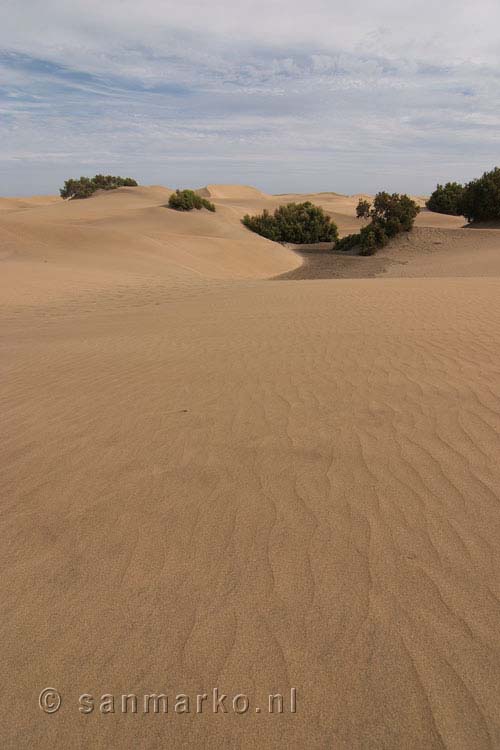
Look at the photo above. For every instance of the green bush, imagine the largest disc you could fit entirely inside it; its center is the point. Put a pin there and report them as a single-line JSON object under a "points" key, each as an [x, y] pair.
{"points": [[481, 198], [447, 199], [363, 208], [298, 223], [85, 186], [393, 213], [349, 242], [370, 240], [389, 215], [186, 200]]}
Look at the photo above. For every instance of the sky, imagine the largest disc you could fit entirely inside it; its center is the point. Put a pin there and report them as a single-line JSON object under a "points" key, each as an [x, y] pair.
{"points": [[288, 96]]}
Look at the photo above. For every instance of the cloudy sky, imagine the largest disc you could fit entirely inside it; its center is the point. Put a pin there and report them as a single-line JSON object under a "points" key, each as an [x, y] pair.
{"points": [[286, 95]]}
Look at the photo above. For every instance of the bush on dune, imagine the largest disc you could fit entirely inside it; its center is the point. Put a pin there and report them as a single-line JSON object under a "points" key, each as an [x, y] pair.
{"points": [[389, 215], [481, 199], [478, 200], [298, 223], [86, 186], [363, 208], [447, 199], [187, 200], [349, 242]]}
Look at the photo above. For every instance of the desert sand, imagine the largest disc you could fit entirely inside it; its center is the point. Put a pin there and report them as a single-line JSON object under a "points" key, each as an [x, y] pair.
{"points": [[216, 474]]}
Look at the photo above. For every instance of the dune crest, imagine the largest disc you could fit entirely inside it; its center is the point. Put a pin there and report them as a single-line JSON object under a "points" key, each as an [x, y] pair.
{"points": [[19, 204], [228, 192]]}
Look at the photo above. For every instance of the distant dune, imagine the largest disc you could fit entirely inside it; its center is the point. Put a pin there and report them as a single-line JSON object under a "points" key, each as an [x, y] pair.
{"points": [[125, 238], [211, 479], [232, 192], [54, 249], [20, 204]]}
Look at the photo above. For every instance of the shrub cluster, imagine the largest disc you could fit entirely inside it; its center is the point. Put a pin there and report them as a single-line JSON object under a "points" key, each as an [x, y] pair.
{"points": [[481, 199], [298, 223], [186, 200], [389, 215], [478, 200], [447, 199], [85, 186]]}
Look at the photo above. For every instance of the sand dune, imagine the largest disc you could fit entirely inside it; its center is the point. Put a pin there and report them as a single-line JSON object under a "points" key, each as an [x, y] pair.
{"points": [[212, 479], [229, 192], [19, 204], [342, 208], [427, 252], [126, 238]]}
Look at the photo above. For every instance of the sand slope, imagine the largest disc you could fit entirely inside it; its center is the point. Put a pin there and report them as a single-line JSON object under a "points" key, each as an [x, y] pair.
{"points": [[426, 252], [126, 238], [210, 479]]}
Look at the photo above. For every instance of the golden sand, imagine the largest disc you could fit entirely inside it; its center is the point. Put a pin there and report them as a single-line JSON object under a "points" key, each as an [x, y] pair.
{"points": [[213, 479]]}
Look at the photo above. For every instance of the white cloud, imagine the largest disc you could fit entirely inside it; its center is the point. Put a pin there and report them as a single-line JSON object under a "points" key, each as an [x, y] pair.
{"points": [[312, 95], [450, 31]]}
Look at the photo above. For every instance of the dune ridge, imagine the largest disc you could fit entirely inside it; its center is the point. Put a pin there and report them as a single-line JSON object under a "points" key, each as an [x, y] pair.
{"points": [[228, 192], [213, 479], [128, 238]]}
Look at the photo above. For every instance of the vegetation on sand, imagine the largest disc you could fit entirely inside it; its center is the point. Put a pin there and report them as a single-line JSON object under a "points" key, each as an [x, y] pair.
{"points": [[86, 186], [481, 199], [298, 223], [186, 200], [478, 200], [389, 215], [447, 199]]}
